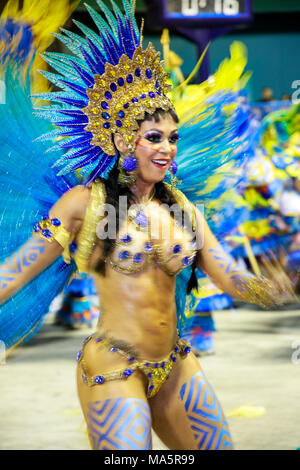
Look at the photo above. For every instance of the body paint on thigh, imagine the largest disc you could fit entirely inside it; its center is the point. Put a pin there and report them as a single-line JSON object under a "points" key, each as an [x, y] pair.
{"points": [[122, 423]]}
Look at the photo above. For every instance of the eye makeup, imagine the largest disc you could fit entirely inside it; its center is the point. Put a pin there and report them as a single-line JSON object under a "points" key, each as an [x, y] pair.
{"points": [[156, 137]]}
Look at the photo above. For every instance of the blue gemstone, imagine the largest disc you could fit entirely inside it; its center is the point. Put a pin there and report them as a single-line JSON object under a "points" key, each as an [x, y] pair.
{"points": [[157, 84], [176, 349], [149, 375], [55, 222], [137, 72], [129, 78], [151, 94], [121, 81], [187, 350], [105, 115], [124, 255], [86, 339], [119, 123], [113, 87], [79, 355], [177, 249], [99, 379], [104, 105], [148, 247], [121, 114], [45, 217], [151, 387], [148, 73], [114, 349], [141, 219], [47, 233], [186, 261], [126, 105], [37, 228], [131, 359], [163, 365], [127, 372], [134, 100], [126, 239], [143, 95], [97, 340], [138, 258], [174, 359], [106, 125], [156, 365], [73, 247], [108, 95]]}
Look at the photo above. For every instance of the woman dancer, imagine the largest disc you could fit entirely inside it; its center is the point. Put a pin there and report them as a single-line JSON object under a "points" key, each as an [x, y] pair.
{"points": [[134, 245]]}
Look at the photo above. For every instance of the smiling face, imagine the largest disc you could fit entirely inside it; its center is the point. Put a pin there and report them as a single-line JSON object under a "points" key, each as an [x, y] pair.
{"points": [[156, 148]]}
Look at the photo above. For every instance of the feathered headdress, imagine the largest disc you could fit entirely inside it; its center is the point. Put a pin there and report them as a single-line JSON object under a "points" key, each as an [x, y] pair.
{"points": [[108, 86]]}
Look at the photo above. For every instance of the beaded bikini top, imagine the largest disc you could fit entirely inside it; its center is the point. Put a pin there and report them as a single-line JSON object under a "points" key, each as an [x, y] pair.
{"points": [[138, 242]]}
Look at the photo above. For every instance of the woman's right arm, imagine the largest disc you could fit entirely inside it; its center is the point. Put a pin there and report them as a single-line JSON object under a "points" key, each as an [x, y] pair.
{"points": [[37, 253]]}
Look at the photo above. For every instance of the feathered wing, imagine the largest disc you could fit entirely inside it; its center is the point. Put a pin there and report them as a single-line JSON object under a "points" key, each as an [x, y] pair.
{"points": [[217, 139], [29, 187]]}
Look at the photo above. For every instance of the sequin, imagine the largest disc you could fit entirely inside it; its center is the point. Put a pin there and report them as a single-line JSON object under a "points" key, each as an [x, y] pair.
{"points": [[128, 372], [151, 94], [124, 255], [113, 87], [99, 379], [138, 258], [106, 125], [126, 239], [119, 123], [47, 233], [148, 73], [177, 249], [126, 106], [121, 114], [148, 247], [104, 105], [137, 72], [55, 222], [121, 81], [134, 100], [105, 115], [108, 95], [129, 78]]}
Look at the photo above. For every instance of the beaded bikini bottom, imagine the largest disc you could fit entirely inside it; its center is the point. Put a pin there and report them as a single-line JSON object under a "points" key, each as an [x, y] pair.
{"points": [[156, 372]]}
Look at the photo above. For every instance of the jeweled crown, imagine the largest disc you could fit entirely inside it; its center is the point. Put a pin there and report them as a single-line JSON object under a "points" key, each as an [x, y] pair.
{"points": [[122, 95]]}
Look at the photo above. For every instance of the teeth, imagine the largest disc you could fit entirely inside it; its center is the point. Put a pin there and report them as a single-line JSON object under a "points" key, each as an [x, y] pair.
{"points": [[161, 162]]}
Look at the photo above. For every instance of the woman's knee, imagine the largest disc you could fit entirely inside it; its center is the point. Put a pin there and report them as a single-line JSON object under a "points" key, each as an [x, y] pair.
{"points": [[205, 414], [119, 424]]}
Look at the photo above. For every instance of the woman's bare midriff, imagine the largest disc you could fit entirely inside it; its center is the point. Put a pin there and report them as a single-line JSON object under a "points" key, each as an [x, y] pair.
{"points": [[139, 309]]}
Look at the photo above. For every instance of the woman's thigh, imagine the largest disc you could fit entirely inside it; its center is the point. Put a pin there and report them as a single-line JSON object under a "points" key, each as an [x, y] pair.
{"points": [[116, 412], [186, 413]]}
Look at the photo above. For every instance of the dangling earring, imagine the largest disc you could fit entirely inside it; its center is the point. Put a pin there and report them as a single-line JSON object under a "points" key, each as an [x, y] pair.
{"points": [[127, 164], [173, 171]]}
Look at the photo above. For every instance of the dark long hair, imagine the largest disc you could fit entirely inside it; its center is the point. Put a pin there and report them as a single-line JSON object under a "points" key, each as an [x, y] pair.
{"points": [[114, 190]]}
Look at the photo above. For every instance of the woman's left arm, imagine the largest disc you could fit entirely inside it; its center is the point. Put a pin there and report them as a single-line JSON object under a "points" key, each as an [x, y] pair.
{"points": [[231, 278]]}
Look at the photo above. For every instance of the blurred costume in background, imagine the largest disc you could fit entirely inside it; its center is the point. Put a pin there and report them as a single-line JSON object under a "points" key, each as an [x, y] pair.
{"points": [[78, 307]]}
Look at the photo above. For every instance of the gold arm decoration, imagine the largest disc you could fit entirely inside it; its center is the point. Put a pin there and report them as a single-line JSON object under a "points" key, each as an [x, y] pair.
{"points": [[87, 234], [258, 291], [184, 203], [52, 229]]}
